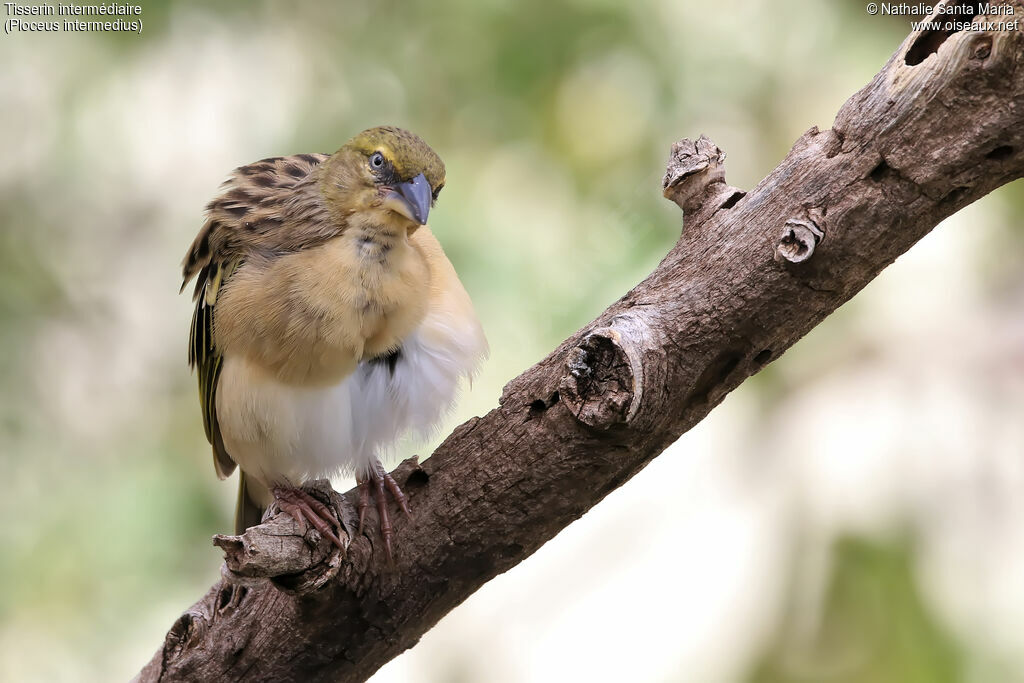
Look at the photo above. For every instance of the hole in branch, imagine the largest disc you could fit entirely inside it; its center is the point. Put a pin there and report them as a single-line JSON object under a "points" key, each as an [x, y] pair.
{"points": [[879, 172], [733, 198], [763, 357], [928, 43], [230, 595], [417, 478], [224, 597], [1000, 153], [956, 196], [540, 405]]}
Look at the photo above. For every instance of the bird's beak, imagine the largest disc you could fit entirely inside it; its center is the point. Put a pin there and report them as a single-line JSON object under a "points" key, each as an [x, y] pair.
{"points": [[411, 199]]}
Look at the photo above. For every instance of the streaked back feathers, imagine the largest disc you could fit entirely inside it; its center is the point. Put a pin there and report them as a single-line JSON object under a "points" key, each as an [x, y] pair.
{"points": [[270, 206]]}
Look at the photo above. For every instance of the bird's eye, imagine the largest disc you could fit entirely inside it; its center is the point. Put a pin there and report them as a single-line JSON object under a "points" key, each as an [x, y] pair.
{"points": [[376, 161]]}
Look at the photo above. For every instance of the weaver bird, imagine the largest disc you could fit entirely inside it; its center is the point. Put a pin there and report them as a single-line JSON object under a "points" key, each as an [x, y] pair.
{"points": [[328, 322]]}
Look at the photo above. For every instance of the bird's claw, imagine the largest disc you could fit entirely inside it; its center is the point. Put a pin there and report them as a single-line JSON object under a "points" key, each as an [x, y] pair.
{"points": [[383, 483], [304, 508]]}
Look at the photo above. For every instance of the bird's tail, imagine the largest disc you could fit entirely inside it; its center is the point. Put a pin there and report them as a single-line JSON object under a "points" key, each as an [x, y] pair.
{"points": [[247, 511]]}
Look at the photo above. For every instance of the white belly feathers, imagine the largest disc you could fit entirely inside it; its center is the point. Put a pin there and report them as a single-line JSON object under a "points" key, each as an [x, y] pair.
{"points": [[282, 434]]}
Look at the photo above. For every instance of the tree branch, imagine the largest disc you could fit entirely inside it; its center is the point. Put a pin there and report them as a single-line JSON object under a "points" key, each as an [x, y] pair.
{"points": [[940, 126]]}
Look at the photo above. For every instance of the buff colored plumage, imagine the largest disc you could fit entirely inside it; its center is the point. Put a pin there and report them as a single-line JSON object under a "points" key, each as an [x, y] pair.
{"points": [[328, 321]]}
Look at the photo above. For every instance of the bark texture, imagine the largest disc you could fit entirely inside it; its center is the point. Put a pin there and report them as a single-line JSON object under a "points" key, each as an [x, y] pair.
{"points": [[940, 126]]}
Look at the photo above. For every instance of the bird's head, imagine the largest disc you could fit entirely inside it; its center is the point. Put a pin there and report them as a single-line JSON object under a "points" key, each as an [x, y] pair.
{"points": [[386, 175]]}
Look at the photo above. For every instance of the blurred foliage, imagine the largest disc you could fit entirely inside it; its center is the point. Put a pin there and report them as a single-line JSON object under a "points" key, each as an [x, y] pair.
{"points": [[874, 627], [554, 119]]}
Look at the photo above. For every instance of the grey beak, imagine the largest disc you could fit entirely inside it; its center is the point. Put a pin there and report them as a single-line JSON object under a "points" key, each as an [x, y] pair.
{"points": [[417, 196]]}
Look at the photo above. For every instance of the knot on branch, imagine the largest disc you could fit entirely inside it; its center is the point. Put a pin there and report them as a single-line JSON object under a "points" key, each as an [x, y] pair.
{"points": [[603, 383], [297, 559], [187, 631], [799, 237], [695, 176]]}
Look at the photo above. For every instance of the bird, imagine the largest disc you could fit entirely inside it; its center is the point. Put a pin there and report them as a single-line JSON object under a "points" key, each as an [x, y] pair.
{"points": [[328, 323]]}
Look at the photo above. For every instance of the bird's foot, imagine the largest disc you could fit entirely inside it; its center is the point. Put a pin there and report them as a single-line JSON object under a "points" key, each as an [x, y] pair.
{"points": [[304, 508], [382, 483]]}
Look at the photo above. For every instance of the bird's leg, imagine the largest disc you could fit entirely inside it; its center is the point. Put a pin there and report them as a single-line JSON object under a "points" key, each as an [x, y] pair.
{"points": [[303, 508], [383, 483]]}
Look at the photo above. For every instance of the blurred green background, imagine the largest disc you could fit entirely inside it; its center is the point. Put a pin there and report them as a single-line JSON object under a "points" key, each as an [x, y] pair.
{"points": [[880, 540]]}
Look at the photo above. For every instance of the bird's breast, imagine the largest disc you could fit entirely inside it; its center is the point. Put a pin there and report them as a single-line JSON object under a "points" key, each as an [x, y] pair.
{"points": [[310, 317]]}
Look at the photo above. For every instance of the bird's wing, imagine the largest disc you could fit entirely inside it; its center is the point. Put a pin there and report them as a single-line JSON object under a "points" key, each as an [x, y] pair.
{"points": [[206, 359], [247, 216], [253, 206]]}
